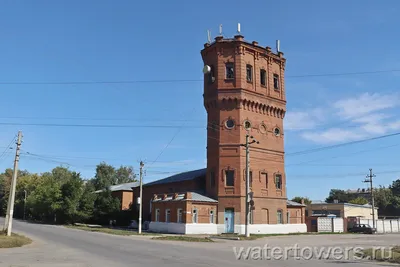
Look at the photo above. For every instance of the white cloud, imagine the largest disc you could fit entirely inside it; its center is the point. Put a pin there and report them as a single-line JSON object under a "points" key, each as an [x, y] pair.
{"points": [[303, 120], [368, 114], [333, 135], [364, 104]]}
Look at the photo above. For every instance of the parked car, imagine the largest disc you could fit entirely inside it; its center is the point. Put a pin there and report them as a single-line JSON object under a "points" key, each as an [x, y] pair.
{"points": [[362, 228]]}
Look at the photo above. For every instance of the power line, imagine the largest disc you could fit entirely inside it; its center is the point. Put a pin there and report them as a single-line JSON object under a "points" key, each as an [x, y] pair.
{"points": [[307, 151], [90, 119], [98, 125], [172, 139], [185, 80]]}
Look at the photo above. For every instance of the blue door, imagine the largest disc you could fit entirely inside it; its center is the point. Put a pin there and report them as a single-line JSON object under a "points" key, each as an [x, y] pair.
{"points": [[229, 220]]}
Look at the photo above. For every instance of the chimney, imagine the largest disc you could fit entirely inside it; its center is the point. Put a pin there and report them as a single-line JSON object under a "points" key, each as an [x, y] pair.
{"points": [[302, 201], [188, 195]]}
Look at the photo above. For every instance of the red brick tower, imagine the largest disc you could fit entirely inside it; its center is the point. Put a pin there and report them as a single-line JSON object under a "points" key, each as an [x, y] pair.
{"points": [[244, 93]]}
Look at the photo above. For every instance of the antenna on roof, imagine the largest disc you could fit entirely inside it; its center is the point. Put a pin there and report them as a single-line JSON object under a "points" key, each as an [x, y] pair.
{"points": [[238, 28], [278, 44], [220, 29], [208, 36]]}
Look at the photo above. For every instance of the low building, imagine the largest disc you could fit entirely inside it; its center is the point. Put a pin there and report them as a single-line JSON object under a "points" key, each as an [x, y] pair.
{"points": [[343, 210], [296, 212], [124, 193]]}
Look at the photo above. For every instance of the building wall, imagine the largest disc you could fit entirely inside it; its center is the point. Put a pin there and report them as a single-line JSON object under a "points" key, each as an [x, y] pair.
{"points": [[343, 210], [203, 211], [366, 213], [206, 228], [125, 197], [149, 191], [241, 101], [296, 215]]}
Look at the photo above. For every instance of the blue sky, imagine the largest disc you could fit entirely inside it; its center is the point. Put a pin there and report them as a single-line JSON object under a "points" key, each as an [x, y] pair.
{"points": [[55, 41]]}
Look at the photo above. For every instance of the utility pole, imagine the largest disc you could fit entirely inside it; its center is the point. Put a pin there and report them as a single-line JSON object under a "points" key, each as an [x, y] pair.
{"points": [[10, 212], [141, 197], [248, 206], [369, 180]]}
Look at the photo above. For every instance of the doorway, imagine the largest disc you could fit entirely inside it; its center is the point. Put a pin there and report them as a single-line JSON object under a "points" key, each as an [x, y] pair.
{"points": [[229, 220]]}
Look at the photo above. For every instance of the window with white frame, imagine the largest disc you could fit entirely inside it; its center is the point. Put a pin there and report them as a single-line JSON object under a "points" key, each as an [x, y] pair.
{"points": [[279, 217], [195, 215], [167, 215], [157, 215], [180, 218], [211, 216]]}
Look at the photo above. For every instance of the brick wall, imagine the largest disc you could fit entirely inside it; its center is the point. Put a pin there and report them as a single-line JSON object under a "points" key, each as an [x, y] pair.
{"points": [[203, 211], [296, 214], [261, 105], [125, 197], [149, 191]]}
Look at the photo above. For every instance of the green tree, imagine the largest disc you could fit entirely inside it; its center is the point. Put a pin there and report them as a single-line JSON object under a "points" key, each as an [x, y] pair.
{"points": [[106, 207], [307, 201], [340, 195], [125, 174], [359, 201], [87, 202], [105, 176], [71, 193], [395, 187], [45, 201]]}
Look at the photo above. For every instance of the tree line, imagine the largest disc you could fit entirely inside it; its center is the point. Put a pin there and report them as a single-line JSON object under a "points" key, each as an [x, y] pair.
{"points": [[62, 196], [387, 199]]}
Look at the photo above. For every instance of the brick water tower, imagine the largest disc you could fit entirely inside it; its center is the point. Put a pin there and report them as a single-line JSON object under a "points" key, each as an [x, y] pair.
{"points": [[244, 93]]}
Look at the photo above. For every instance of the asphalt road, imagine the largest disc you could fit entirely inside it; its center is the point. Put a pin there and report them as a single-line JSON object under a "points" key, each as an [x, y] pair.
{"points": [[57, 246]]}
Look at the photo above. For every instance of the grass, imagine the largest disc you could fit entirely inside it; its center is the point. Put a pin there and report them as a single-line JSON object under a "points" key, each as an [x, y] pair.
{"points": [[257, 236], [384, 254], [183, 238], [108, 230], [13, 241]]}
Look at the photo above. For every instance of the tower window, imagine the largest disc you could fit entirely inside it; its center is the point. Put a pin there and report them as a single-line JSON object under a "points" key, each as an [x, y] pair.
{"points": [[230, 71], [230, 124], [276, 81], [251, 179], [263, 77], [249, 73], [278, 181], [277, 132], [247, 125], [230, 178], [211, 76], [265, 178], [212, 179]]}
